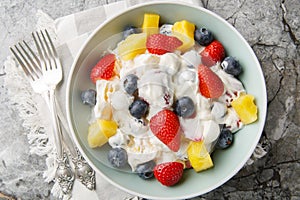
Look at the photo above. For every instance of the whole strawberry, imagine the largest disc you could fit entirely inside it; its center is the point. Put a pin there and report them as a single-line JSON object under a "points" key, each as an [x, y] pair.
{"points": [[168, 173], [165, 126], [212, 53], [104, 69], [210, 85], [160, 44]]}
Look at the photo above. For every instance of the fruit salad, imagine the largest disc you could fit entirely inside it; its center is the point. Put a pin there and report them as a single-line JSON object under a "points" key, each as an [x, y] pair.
{"points": [[165, 97]]}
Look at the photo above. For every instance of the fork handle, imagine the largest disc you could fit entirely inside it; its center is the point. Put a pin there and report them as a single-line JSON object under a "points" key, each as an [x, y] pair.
{"points": [[69, 142], [56, 127], [64, 175], [66, 137], [83, 170]]}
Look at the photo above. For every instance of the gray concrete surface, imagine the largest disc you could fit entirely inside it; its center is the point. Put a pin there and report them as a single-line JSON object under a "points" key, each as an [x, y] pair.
{"points": [[272, 29]]}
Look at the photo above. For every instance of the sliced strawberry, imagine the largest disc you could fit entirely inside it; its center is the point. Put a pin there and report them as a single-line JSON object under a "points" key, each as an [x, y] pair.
{"points": [[210, 85], [104, 69], [212, 53], [168, 173], [165, 126], [160, 44]]}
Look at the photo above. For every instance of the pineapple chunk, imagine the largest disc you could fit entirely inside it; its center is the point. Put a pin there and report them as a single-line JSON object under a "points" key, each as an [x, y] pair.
{"points": [[184, 30], [100, 131], [199, 157], [245, 108], [132, 46], [151, 23], [109, 127]]}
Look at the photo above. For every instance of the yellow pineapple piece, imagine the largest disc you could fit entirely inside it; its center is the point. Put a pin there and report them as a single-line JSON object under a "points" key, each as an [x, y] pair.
{"points": [[184, 30], [150, 23], [199, 157], [132, 46], [109, 127], [245, 107], [100, 131]]}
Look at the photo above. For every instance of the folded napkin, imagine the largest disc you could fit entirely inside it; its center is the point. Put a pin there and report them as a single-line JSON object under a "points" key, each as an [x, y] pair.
{"points": [[68, 33]]}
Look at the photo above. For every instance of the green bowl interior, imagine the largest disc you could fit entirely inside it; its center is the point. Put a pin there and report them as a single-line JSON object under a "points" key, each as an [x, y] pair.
{"points": [[227, 162]]}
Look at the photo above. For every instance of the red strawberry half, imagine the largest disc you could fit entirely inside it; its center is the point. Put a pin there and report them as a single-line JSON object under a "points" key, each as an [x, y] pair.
{"points": [[161, 44], [212, 53], [168, 173], [165, 126], [104, 69], [210, 85]]}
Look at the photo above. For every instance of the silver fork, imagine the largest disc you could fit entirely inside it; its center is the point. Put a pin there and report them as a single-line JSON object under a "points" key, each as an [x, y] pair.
{"points": [[31, 66], [52, 75], [52, 72]]}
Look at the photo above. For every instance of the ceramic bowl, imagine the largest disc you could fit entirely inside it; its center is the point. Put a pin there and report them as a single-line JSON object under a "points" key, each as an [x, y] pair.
{"points": [[227, 162]]}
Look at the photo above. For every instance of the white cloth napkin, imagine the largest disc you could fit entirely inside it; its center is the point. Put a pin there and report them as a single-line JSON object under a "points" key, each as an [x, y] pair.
{"points": [[69, 33]]}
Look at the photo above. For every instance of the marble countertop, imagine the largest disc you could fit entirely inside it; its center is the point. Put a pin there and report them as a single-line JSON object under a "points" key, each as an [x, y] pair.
{"points": [[272, 28]]}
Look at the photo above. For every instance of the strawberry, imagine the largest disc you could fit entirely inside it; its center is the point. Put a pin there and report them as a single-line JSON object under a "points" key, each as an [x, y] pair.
{"points": [[210, 85], [212, 53], [160, 44], [168, 173], [104, 68], [165, 126]]}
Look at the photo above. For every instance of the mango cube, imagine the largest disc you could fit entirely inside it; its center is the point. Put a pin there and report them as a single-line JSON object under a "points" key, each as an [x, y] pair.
{"points": [[150, 23], [184, 30]]}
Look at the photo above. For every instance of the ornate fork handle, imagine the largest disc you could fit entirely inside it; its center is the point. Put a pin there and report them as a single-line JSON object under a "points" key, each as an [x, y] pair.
{"points": [[64, 174], [83, 171]]}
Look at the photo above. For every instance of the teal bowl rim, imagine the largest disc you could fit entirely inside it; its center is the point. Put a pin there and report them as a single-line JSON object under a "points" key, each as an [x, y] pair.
{"points": [[262, 110]]}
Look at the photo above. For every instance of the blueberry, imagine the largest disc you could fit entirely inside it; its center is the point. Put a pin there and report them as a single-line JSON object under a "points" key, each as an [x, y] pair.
{"points": [[203, 36], [129, 30], [88, 97], [130, 83], [117, 157], [184, 107], [225, 139], [231, 66], [138, 108], [145, 170]]}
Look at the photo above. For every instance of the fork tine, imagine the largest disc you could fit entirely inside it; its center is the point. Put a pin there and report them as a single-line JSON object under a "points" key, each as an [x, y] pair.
{"points": [[20, 61], [53, 50], [49, 50], [46, 49], [26, 61], [35, 58], [41, 50], [51, 67], [32, 60]]}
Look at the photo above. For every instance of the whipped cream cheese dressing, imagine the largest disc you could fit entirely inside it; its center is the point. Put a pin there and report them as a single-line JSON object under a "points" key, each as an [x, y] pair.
{"points": [[162, 78]]}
